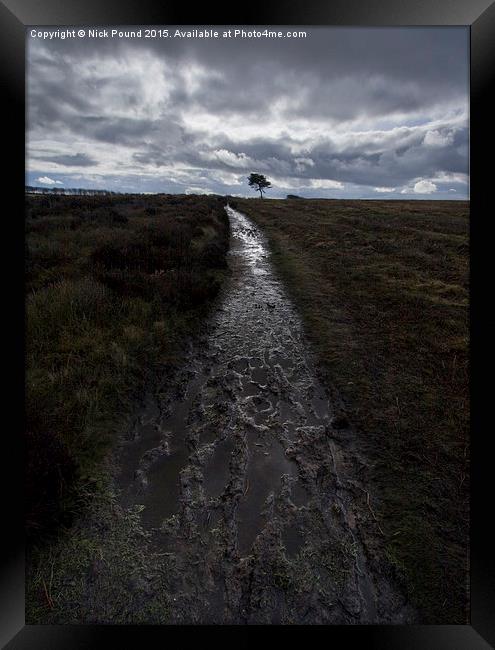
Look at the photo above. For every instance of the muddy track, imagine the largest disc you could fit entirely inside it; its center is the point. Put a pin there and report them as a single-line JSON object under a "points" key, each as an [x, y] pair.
{"points": [[249, 483]]}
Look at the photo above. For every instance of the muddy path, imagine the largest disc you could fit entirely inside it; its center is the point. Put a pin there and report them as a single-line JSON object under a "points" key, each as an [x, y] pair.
{"points": [[246, 483]]}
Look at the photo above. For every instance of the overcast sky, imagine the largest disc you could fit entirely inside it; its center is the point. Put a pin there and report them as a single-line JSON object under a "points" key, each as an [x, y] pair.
{"points": [[343, 113]]}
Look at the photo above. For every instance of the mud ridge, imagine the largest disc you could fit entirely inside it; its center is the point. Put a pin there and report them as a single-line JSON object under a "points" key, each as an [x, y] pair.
{"points": [[249, 477]]}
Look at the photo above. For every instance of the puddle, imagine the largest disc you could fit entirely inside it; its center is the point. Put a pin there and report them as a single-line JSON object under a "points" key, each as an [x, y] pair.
{"points": [[161, 496], [266, 465], [320, 407], [150, 477], [217, 471], [249, 388], [292, 540], [240, 365], [299, 495], [259, 375]]}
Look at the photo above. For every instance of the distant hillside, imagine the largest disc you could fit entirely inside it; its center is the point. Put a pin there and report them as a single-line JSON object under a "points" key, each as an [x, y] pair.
{"points": [[67, 190]]}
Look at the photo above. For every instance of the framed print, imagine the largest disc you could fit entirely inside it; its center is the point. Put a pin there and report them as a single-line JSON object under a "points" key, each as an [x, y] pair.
{"points": [[247, 333]]}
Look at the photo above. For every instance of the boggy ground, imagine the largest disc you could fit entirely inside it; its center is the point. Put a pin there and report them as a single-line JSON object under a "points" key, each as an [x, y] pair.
{"points": [[238, 496], [382, 287], [113, 283]]}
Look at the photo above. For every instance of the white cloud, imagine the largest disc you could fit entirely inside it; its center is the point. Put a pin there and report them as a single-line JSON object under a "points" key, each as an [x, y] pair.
{"points": [[424, 187], [302, 163], [326, 184], [201, 117], [436, 139], [448, 177], [294, 183], [238, 161], [195, 75], [227, 178], [198, 190], [45, 180]]}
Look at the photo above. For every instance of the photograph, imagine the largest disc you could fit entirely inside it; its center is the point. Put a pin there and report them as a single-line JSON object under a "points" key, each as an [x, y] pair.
{"points": [[247, 325]]}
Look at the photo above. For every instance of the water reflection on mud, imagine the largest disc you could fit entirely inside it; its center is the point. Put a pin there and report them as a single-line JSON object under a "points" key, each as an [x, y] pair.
{"points": [[239, 468]]}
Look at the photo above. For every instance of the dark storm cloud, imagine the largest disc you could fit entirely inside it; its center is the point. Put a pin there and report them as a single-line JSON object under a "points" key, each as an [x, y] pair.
{"points": [[77, 160], [372, 107]]}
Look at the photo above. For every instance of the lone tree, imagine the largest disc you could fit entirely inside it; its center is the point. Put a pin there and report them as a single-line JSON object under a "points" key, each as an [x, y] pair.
{"points": [[259, 182]]}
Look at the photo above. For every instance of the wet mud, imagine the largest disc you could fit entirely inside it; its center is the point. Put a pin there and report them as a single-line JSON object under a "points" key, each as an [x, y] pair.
{"points": [[247, 481]]}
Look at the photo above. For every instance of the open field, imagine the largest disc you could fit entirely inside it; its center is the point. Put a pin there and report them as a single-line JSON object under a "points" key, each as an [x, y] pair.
{"points": [[383, 290], [114, 286]]}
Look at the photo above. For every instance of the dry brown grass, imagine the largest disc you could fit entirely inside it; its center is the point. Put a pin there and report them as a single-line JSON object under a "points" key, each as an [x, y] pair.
{"points": [[383, 289], [114, 284]]}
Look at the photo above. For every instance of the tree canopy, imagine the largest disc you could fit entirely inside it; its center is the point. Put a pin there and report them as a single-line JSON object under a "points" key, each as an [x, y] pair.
{"points": [[259, 182]]}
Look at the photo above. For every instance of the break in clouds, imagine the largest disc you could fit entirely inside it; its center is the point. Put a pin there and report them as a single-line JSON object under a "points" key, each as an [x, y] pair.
{"points": [[345, 112]]}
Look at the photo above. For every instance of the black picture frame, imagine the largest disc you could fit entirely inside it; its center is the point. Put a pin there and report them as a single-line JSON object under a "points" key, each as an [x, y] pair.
{"points": [[15, 15]]}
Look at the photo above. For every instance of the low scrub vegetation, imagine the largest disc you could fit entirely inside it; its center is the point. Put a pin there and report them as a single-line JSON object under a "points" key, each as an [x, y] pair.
{"points": [[383, 289], [114, 285]]}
